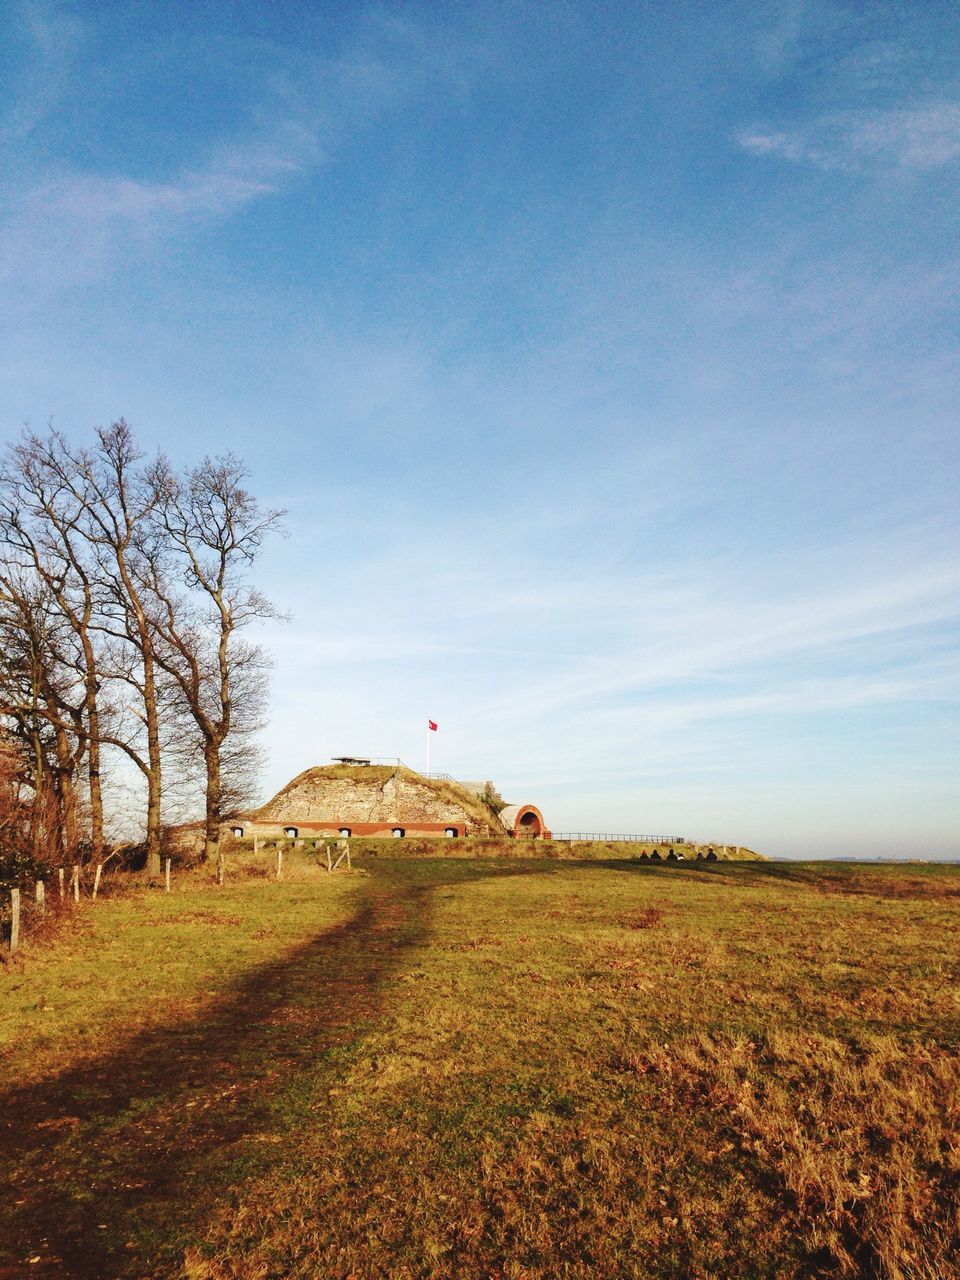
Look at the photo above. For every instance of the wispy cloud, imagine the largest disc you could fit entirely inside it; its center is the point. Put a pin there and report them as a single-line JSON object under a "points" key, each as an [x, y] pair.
{"points": [[71, 227], [54, 37], [572, 664], [722, 637], [908, 138]]}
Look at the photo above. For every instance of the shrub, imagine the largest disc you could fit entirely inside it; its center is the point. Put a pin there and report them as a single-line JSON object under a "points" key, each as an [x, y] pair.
{"points": [[18, 867]]}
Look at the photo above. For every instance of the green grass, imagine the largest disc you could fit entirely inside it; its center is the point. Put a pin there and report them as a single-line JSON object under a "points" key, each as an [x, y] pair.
{"points": [[483, 1068]]}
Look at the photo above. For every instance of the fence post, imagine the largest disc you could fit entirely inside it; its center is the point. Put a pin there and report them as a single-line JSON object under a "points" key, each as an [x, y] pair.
{"points": [[96, 879], [75, 881], [279, 863], [329, 867], [60, 878], [14, 920], [219, 868], [41, 898], [256, 845], [349, 866], [166, 876]]}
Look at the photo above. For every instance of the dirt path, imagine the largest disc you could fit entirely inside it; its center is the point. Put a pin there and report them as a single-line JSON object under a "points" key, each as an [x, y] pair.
{"points": [[139, 1144]]}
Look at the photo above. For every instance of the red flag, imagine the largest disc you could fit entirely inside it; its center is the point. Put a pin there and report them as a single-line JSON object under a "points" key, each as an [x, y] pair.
{"points": [[431, 724]]}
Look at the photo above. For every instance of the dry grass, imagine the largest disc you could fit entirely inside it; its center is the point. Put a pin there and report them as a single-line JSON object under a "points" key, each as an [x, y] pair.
{"points": [[519, 1070]]}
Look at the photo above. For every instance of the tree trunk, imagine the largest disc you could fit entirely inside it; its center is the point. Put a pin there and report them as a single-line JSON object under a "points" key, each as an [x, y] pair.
{"points": [[153, 754], [93, 750], [214, 801], [38, 810], [66, 795]]}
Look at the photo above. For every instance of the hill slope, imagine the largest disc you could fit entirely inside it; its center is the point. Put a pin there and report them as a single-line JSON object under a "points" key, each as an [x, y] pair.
{"points": [[376, 793]]}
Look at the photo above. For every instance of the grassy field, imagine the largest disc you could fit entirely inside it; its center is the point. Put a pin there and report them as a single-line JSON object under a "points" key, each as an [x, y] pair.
{"points": [[478, 1068]]}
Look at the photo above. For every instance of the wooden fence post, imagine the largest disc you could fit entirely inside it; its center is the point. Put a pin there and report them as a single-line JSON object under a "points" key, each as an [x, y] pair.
{"points": [[41, 898], [279, 863], [349, 864], [75, 881], [166, 876], [219, 868], [344, 852], [14, 920], [60, 878], [329, 867], [96, 879], [256, 845]]}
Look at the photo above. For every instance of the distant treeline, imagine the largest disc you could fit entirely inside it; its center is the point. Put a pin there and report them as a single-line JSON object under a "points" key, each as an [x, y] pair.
{"points": [[124, 593]]}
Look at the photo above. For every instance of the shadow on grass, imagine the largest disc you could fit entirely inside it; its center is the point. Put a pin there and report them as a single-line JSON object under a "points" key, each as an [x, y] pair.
{"points": [[111, 1168]]}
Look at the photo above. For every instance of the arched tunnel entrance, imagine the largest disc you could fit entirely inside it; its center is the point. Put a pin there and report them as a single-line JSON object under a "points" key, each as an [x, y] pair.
{"points": [[528, 823]]}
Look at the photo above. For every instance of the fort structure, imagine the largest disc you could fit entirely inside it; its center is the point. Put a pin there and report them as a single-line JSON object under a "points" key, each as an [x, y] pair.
{"points": [[356, 797], [372, 800]]}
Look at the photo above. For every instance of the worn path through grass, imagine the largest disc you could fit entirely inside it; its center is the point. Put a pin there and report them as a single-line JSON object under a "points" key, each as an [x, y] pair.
{"points": [[114, 1162]]}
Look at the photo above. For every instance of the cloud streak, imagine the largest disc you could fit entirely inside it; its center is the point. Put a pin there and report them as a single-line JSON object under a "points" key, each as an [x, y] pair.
{"points": [[915, 138], [561, 662], [54, 39], [71, 228]]}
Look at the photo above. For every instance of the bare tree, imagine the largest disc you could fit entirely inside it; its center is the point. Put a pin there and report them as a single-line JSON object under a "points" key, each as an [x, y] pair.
{"points": [[208, 529], [119, 500], [123, 596], [42, 707], [113, 499], [15, 809], [40, 523]]}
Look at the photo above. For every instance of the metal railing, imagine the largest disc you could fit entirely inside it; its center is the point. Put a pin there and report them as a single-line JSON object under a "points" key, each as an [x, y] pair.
{"points": [[438, 777], [372, 759], [609, 837], [441, 777]]}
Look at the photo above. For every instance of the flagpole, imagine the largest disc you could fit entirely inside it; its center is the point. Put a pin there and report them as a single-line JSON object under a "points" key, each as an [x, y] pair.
{"points": [[428, 746]]}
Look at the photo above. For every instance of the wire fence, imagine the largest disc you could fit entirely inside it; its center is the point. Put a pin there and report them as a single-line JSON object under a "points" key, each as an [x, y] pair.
{"points": [[24, 907]]}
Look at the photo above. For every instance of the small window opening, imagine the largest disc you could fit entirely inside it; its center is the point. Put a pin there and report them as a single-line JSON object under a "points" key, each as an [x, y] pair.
{"points": [[290, 832], [237, 831], [451, 832], [398, 833], [345, 831]]}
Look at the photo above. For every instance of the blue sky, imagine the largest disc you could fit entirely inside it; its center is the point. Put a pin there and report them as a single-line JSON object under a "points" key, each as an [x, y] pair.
{"points": [[604, 355]]}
